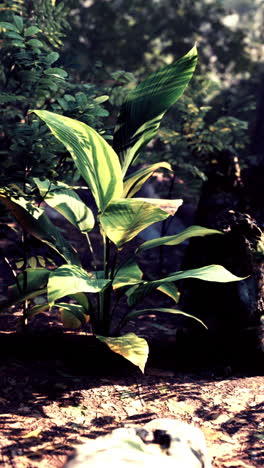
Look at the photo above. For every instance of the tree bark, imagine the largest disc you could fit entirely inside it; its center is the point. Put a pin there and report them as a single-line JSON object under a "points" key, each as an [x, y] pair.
{"points": [[232, 311]]}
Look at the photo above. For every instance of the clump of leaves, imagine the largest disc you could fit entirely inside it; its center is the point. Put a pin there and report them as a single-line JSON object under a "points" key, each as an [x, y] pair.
{"points": [[120, 215], [32, 76]]}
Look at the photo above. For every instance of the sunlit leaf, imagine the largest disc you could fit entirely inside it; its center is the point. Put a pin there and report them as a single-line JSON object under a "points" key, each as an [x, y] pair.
{"points": [[72, 315], [123, 219], [192, 231], [95, 159], [134, 182], [216, 273], [168, 205], [129, 273], [130, 346], [144, 107], [70, 279], [170, 290], [67, 202]]}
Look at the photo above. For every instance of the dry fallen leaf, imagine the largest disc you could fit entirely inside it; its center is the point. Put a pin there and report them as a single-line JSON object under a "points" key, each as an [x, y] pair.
{"points": [[35, 433]]}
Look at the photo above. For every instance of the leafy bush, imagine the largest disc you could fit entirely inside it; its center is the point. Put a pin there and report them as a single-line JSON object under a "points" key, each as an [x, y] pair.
{"points": [[120, 217], [32, 76]]}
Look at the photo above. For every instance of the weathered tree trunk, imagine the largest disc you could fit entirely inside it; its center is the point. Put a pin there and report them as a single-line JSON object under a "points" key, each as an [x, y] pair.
{"points": [[232, 311]]}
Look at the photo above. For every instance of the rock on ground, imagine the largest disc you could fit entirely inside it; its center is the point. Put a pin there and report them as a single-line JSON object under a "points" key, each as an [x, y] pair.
{"points": [[161, 442]]}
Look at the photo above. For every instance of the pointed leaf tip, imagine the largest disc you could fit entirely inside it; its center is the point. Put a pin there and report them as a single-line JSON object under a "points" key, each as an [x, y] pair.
{"points": [[130, 346]]}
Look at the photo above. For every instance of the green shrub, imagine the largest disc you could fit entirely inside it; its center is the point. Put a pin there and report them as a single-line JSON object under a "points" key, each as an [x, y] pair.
{"points": [[32, 77]]}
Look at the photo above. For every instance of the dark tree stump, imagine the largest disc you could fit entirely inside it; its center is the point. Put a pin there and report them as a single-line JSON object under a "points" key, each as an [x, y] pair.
{"points": [[232, 311]]}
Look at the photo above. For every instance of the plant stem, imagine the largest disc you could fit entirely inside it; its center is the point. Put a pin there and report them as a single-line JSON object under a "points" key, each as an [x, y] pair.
{"points": [[164, 225], [94, 260], [24, 287], [106, 256], [112, 273], [105, 295]]}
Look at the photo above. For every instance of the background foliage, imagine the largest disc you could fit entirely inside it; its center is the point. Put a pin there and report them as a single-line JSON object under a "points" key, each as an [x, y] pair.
{"points": [[32, 75]]}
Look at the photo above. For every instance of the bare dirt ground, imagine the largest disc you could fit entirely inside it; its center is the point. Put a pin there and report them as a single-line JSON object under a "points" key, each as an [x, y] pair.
{"points": [[50, 404]]}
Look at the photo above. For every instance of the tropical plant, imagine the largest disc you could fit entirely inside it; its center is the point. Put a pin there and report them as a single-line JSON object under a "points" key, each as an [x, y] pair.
{"points": [[120, 217]]}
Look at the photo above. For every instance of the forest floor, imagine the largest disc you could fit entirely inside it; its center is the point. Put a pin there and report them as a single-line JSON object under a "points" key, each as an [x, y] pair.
{"points": [[56, 392], [49, 403]]}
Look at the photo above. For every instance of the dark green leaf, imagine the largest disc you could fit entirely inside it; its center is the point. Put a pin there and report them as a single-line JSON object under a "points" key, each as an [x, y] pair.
{"points": [[36, 223], [8, 26], [144, 107], [137, 313], [57, 72], [31, 31], [19, 22], [35, 43]]}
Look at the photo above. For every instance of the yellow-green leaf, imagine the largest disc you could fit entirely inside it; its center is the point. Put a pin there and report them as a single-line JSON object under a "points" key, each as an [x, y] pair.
{"points": [[192, 231], [67, 202], [70, 279], [95, 159], [123, 219], [130, 346]]}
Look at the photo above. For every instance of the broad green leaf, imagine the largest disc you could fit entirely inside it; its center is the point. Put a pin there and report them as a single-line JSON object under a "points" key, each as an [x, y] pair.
{"points": [[31, 283], [70, 279], [67, 202], [52, 57], [171, 206], [134, 182], [35, 43], [136, 313], [129, 273], [144, 107], [136, 293], [170, 290], [31, 279], [123, 219], [19, 22], [8, 26], [31, 31], [72, 315], [59, 72], [34, 221], [216, 273], [130, 346], [192, 231], [14, 35], [95, 159]]}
